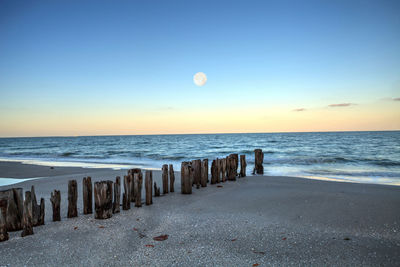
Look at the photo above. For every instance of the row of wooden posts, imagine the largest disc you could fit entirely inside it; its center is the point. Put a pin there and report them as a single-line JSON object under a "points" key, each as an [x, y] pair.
{"points": [[17, 214]]}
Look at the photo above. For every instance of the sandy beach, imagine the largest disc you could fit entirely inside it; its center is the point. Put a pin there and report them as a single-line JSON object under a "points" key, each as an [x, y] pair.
{"points": [[255, 220]]}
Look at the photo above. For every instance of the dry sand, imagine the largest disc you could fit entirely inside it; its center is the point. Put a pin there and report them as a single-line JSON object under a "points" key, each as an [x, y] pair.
{"points": [[255, 220]]}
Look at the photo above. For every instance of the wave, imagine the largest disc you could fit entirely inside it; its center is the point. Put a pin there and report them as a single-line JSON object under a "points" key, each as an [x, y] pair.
{"points": [[67, 154]]}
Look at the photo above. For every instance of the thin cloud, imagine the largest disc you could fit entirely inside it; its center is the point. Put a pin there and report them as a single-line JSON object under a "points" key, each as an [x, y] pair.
{"points": [[341, 105], [396, 99], [299, 109]]}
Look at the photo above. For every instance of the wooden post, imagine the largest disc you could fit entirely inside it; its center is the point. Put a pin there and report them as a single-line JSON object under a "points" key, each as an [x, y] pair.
{"points": [[131, 173], [27, 220], [243, 165], [196, 165], [149, 187], [12, 206], [231, 167], [42, 210], [204, 173], [171, 178], [214, 172], [156, 190], [165, 178], [138, 178], [126, 196], [87, 195], [3, 228], [35, 207], [117, 195], [72, 199], [259, 158], [223, 170], [103, 199], [186, 181], [55, 199], [236, 163]]}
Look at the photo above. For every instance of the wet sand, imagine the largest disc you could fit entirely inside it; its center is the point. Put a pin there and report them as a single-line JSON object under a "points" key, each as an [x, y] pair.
{"points": [[255, 220]]}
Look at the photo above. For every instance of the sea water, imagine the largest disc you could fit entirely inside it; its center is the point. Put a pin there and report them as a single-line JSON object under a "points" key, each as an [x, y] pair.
{"points": [[367, 157]]}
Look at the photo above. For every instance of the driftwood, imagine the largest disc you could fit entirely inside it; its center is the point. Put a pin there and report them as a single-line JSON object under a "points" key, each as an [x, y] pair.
{"points": [[3, 228], [72, 199], [214, 172], [165, 178], [196, 166], [138, 180], [117, 195], [223, 170], [27, 220], [149, 187], [103, 199], [126, 196], [171, 178], [12, 206], [55, 199], [186, 178], [131, 173], [204, 173], [243, 165], [87, 195], [259, 158], [156, 190]]}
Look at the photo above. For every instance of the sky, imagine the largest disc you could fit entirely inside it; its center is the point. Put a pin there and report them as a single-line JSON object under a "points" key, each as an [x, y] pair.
{"points": [[126, 67]]}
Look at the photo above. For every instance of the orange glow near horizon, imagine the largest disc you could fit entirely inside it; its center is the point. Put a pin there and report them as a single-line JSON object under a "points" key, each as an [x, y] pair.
{"points": [[374, 117]]}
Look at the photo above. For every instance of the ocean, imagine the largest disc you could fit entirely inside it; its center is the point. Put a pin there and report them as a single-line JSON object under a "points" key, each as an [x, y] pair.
{"points": [[366, 157]]}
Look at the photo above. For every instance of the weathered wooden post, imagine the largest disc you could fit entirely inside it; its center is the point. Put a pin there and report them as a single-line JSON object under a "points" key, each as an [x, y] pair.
{"points": [[126, 196], [156, 190], [259, 158], [149, 186], [243, 165], [117, 195], [196, 166], [103, 199], [204, 173], [72, 199], [138, 178], [236, 163], [12, 205], [87, 195], [186, 181], [223, 170], [27, 220], [55, 199], [214, 172], [131, 173], [37, 209], [231, 167], [171, 178], [42, 210], [3, 228], [165, 178]]}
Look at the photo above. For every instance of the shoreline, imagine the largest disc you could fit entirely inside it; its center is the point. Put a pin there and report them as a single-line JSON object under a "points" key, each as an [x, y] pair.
{"points": [[23, 169]]}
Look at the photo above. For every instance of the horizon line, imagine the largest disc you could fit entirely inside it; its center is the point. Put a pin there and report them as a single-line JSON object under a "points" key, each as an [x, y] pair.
{"points": [[218, 133]]}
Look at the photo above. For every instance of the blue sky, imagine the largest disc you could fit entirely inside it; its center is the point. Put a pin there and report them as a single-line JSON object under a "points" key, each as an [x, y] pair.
{"points": [[75, 56]]}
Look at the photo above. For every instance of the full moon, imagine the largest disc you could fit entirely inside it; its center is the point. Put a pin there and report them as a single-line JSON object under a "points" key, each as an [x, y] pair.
{"points": [[200, 79]]}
